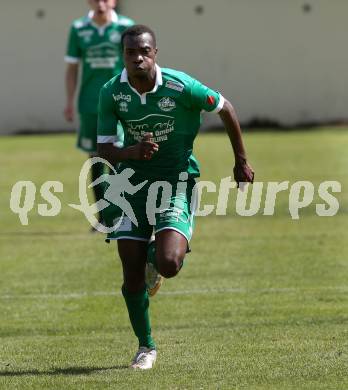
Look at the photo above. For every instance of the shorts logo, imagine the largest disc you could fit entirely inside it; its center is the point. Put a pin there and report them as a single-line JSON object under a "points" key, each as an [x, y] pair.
{"points": [[166, 104], [120, 96], [173, 85], [124, 224], [123, 106]]}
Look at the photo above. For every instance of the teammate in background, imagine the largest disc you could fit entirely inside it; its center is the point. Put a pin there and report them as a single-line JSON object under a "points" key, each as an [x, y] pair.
{"points": [[94, 48], [160, 113]]}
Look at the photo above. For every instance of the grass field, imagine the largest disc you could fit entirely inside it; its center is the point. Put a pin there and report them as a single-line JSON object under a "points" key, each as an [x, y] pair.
{"points": [[261, 303]]}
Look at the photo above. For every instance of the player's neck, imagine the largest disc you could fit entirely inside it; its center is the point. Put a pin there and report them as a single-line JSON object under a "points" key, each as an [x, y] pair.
{"points": [[102, 19], [144, 83]]}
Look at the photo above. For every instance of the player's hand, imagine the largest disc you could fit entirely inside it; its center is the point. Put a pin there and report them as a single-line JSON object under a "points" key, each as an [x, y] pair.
{"points": [[145, 149], [243, 173], [69, 113]]}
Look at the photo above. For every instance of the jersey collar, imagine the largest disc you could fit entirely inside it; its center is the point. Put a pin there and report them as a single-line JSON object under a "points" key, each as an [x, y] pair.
{"points": [[101, 29], [158, 83], [114, 16]]}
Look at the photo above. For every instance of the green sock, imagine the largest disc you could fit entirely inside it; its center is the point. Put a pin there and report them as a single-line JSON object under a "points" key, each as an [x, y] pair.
{"points": [[138, 310]]}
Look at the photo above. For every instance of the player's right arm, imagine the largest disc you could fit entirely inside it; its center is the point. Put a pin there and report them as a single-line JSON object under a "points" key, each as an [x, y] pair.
{"points": [[72, 59], [71, 76], [143, 150], [107, 130]]}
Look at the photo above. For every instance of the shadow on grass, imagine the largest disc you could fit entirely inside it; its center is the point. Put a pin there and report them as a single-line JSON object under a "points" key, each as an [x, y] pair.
{"points": [[62, 371], [48, 234]]}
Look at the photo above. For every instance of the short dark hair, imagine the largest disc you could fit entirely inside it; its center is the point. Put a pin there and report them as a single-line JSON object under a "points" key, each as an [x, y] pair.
{"points": [[136, 30]]}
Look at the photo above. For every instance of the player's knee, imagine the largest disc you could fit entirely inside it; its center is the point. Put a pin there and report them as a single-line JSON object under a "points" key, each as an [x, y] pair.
{"points": [[169, 264], [169, 269]]}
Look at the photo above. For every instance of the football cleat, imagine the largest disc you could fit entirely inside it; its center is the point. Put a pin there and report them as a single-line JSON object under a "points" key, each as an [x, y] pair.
{"points": [[153, 279], [144, 359]]}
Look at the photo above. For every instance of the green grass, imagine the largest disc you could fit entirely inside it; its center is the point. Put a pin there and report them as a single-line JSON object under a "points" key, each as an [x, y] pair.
{"points": [[260, 304]]}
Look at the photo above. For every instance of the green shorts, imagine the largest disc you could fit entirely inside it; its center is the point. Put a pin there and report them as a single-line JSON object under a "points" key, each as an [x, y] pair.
{"points": [[152, 213], [87, 135]]}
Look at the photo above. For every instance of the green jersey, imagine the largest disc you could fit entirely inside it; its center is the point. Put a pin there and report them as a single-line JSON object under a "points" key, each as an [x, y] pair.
{"points": [[171, 111], [98, 48]]}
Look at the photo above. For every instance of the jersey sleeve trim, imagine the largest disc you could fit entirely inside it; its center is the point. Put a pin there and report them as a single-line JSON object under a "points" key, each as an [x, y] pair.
{"points": [[106, 139], [124, 21], [71, 60], [220, 105]]}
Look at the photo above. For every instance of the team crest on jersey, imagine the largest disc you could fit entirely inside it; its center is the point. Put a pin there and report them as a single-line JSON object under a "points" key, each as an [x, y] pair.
{"points": [[166, 104], [123, 106], [115, 37]]}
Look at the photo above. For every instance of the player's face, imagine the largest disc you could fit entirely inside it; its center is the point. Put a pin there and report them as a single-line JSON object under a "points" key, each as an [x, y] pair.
{"points": [[139, 54], [102, 6]]}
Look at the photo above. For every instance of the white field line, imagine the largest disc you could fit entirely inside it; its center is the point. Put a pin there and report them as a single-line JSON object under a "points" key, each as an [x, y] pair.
{"points": [[81, 295]]}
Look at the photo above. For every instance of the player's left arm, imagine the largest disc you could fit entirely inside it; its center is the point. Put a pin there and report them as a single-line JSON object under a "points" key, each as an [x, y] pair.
{"points": [[243, 172], [212, 101]]}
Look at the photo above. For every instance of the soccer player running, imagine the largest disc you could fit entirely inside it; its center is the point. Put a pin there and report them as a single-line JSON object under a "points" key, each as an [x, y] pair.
{"points": [[93, 45], [160, 110]]}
